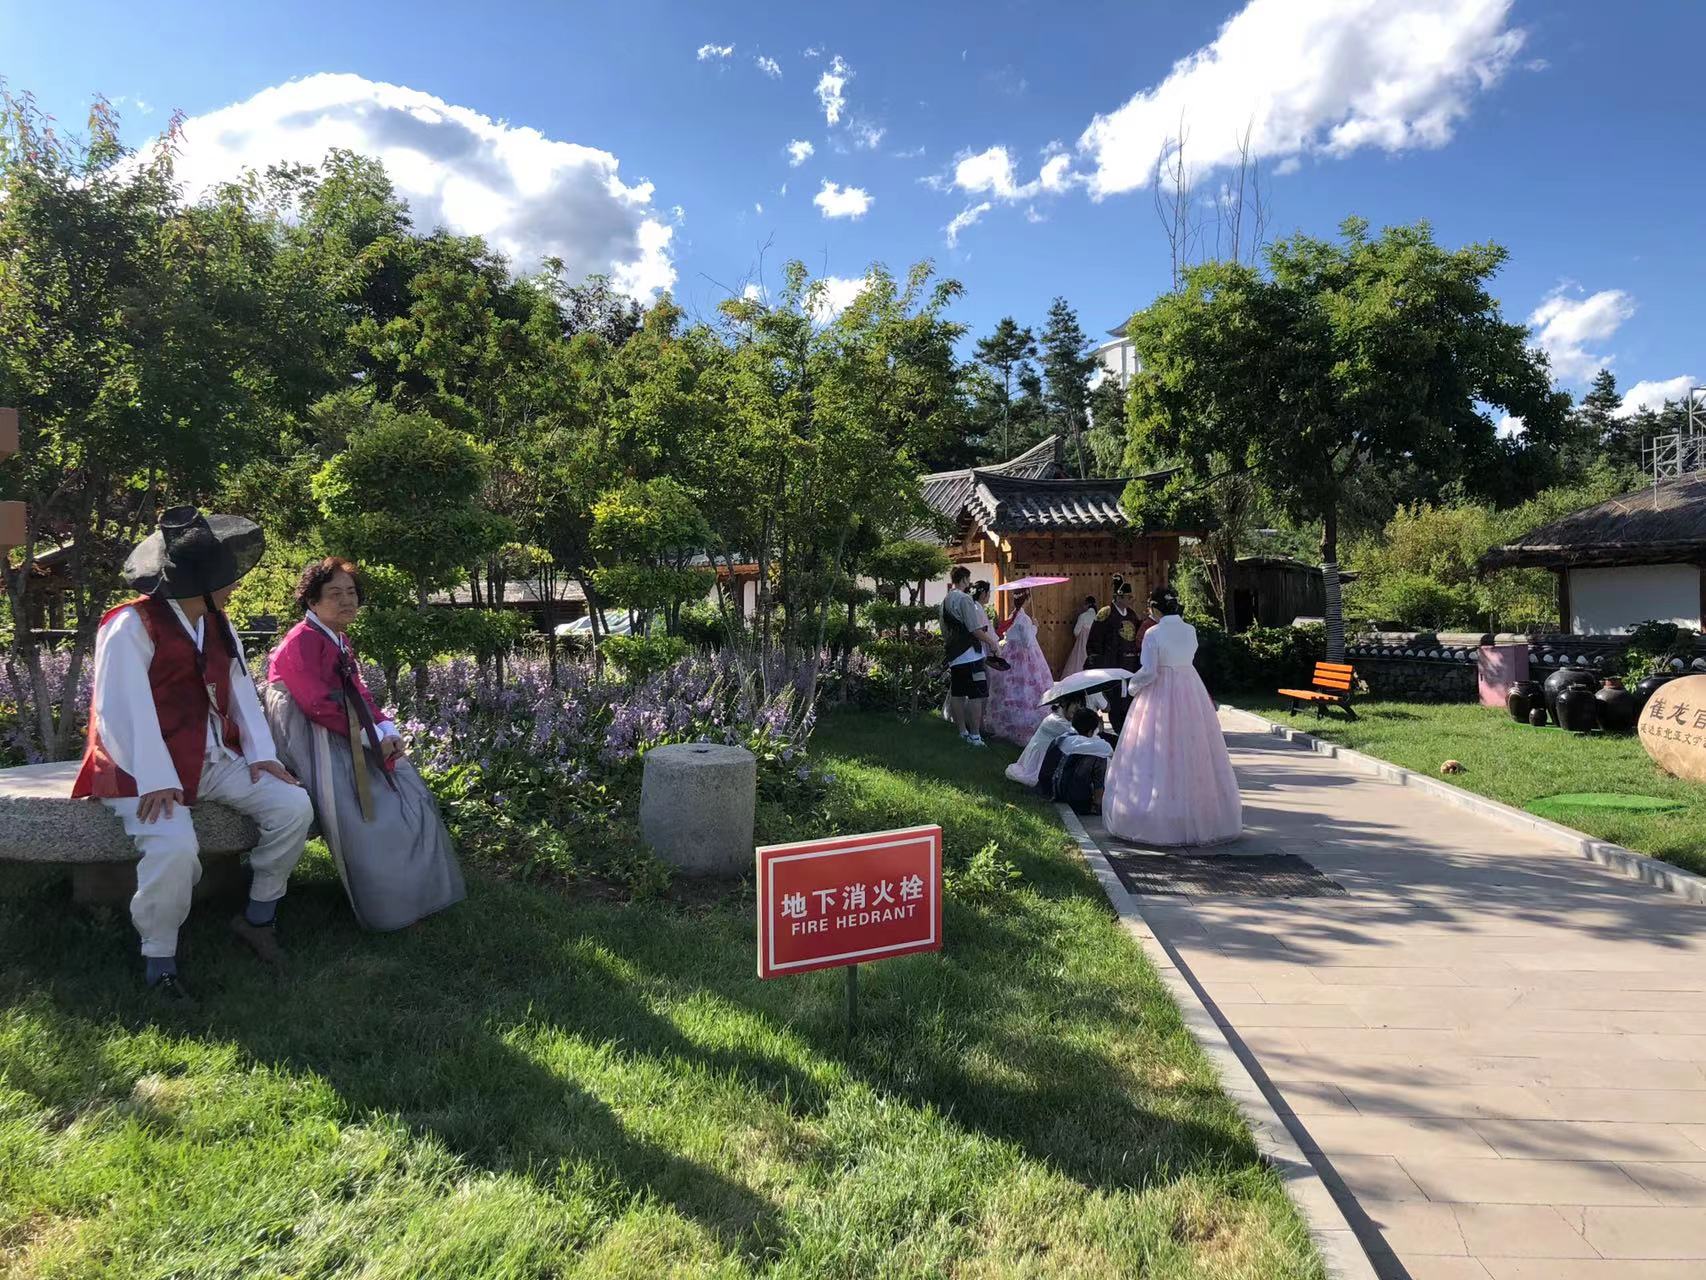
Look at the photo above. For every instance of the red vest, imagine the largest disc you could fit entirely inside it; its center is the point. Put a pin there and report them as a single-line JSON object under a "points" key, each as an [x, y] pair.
{"points": [[181, 700]]}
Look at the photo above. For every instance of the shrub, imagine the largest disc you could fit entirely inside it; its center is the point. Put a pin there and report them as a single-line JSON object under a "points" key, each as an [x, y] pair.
{"points": [[1261, 659], [638, 657]]}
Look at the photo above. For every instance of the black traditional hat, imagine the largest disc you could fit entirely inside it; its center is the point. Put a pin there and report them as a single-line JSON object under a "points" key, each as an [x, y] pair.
{"points": [[192, 555]]}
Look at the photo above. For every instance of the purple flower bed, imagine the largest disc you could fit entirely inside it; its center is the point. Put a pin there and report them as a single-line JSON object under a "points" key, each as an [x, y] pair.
{"points": [[19, 743], [543, 778], [546, 778]]}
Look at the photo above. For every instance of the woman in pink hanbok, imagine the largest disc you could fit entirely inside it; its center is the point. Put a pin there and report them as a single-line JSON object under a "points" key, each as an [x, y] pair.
{"points": [[1078, 659], [1015, 695], [1171, 781]]}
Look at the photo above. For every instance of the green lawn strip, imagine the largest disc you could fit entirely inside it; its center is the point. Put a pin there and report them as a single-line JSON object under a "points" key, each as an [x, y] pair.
{"points": [[1520, 765], [536, 1084]]}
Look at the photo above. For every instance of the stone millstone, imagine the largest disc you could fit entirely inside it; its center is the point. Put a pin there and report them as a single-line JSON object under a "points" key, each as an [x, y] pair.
{"points": [[40, 822], [697, 803]]}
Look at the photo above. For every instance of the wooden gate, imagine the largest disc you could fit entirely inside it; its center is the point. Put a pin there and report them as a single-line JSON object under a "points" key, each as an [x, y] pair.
{"points": [[1054, 609]]}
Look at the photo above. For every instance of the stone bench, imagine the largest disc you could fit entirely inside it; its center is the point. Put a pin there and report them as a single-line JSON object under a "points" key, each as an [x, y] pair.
{"points": [[41, 823]]}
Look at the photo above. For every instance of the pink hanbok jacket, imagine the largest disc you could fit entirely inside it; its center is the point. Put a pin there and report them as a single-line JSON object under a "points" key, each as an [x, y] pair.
{"points": [[316, 668]]}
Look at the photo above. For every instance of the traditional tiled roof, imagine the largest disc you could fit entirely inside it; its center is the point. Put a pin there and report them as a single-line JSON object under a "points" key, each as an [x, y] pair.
{"points": [[946, 493], [1664, 522], [1009, 504]]}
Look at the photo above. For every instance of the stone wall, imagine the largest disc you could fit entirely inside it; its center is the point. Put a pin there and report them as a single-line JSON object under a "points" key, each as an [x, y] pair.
{"points": [[1427, 666]]}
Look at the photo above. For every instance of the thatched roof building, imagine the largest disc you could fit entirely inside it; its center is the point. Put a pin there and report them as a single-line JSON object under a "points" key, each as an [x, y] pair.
{"points": [[1637, 557]]}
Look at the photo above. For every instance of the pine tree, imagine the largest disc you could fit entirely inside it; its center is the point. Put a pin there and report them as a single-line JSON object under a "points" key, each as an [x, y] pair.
{"points": [[1068, 364], [1006, 353]]}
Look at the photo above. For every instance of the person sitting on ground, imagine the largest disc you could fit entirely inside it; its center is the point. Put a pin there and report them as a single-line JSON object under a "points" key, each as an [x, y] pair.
{"points": [[380, 822], [966, 640], [1028, 767], [174, 720], [1075, 766]]}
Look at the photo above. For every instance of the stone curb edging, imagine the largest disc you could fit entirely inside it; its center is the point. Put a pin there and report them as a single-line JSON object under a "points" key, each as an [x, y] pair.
{"points": [[1341, 1252], [1637, 866]]}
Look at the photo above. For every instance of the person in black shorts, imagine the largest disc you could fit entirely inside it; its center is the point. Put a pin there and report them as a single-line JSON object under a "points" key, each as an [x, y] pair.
{"points": [[966, 639]]}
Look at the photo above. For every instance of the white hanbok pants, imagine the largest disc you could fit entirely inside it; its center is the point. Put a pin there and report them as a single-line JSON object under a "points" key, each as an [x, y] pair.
{"points": [[171, 862]]}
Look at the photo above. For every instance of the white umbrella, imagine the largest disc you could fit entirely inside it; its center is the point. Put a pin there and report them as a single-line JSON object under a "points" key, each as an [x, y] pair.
{"points": [[1091, 679]]}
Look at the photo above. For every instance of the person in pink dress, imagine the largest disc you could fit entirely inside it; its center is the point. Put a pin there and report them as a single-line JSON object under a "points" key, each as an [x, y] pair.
{"points": [[1078, 659], [1016, 694], [1171, 781]]}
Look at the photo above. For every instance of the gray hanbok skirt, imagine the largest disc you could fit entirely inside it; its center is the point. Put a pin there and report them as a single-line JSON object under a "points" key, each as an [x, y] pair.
{"points": [[397, 869]]}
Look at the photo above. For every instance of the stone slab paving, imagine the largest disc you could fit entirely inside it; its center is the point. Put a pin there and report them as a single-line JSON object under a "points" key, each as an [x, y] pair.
{"points": [[1493, 1049]]}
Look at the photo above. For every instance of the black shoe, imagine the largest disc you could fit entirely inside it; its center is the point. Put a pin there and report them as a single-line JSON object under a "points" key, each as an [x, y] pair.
{"points": [[262, 939], [170, 990]]}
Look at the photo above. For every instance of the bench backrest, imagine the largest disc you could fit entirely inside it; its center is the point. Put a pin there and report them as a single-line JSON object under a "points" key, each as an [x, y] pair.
{"points": [[1334, 677]]}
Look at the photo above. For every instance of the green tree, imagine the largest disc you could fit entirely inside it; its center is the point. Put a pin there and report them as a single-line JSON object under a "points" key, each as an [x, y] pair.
{"points": [[825, 424], [1068, 363], [405, 494], [1006, 353], [1107, 435], [649, 532], [130, 343], [1368, 353]]}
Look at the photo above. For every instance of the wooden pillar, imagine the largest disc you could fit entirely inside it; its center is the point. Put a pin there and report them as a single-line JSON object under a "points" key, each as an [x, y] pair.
{"points": [[11, 513], [1563, 600]]}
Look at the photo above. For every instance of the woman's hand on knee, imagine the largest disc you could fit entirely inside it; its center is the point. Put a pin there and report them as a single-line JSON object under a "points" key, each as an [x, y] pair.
{"points": [[273, 769]]}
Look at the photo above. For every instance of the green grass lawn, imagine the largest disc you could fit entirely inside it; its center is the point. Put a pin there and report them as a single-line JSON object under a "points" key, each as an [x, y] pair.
{"points": [[537, 1084], [1519, 764]]}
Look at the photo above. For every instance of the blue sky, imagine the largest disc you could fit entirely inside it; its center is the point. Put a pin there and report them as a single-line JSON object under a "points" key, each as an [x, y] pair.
{"points": [[648, 139]]}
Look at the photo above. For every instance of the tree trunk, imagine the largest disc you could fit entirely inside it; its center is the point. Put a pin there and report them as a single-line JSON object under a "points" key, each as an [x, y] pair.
{"points": [[1335, 609]]}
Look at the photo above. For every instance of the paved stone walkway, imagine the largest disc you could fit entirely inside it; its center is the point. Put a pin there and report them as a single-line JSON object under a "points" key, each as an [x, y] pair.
{"points": [[1496, 1049]]}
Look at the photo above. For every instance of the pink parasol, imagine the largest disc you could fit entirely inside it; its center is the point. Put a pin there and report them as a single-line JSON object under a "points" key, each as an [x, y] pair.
{"points": [[1025, 584]]}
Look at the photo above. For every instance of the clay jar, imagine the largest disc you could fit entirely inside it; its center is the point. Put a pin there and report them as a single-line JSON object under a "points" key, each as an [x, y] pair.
{"points": [[1567, 678], [1523, 697], [1537, 717], [1645, 689], [1618, 708], [1577, 709]]}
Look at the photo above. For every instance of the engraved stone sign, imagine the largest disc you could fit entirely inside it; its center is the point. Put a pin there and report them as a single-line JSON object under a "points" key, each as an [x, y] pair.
{"points": [[1673, 727]]}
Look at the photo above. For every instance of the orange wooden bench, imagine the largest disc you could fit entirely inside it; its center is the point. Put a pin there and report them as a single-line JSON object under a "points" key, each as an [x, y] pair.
{"points": [[1333, 682]]}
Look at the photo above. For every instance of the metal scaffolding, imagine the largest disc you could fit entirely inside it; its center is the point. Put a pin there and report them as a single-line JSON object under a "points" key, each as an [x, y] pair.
{"points": [[1681, 452]]}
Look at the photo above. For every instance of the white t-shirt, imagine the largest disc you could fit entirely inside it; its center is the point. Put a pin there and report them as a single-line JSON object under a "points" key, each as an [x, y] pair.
{"points": [[974, 619]]}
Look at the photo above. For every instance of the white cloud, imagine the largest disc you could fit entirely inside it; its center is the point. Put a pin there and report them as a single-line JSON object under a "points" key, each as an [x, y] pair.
{"points": [[769, 66], [707, 52], [815, 51], [1291, 164], [530, 196], [838, 293], [993, 172], [912, 153], [866, 135], [799, 151], [838, 201], [1304, 76], [758, 206], [1057, 173], [1564, 325], [753, 292], [1509, 426], [990, 171], [142, 106], [965, 218], [1032, 216], [1653, 394], [832, 89]]}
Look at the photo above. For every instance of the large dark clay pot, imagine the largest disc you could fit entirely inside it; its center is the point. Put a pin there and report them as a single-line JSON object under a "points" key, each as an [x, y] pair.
{"points": [[1645, 689], [1567, 678], [1577, 709], [1523, 697], [1618, 708], [1537, 717]]}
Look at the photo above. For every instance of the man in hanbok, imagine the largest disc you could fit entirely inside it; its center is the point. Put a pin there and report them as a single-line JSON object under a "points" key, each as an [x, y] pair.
{"points": [[175, 720], [1116, 640]]}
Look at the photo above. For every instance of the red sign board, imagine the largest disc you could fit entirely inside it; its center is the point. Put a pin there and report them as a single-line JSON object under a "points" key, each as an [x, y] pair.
{"points": [[826, 903]]}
